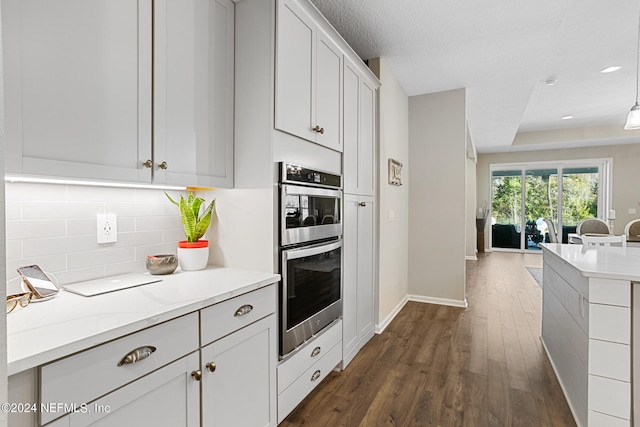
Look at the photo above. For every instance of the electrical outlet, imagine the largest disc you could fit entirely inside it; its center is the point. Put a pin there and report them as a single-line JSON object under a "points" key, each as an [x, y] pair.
{"points": [[107, 229]]}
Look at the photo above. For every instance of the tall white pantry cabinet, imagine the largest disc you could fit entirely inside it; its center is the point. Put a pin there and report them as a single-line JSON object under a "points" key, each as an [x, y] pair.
{"points": [[303, 96]]}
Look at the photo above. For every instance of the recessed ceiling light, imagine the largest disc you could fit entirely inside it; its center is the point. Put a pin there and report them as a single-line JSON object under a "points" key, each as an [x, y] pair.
{"points": [[567, 117], [550, 81], [611, 69]]}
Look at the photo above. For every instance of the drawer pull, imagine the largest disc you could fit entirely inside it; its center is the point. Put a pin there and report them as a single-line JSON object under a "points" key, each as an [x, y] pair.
{"points": [[318, 129], [245, 309], [139, 353], [211, 366], [197, 375], [315, 375], [315, 352]]}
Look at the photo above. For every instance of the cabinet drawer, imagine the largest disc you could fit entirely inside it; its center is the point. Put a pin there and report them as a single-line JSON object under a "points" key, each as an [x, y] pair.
{"points": [[570, 273], [293, 395], [85, 376], [228, 316], [290, 369]]}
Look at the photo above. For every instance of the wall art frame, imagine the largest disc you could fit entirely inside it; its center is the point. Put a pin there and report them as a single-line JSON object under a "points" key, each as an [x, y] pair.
{"points": [[395, 172]]}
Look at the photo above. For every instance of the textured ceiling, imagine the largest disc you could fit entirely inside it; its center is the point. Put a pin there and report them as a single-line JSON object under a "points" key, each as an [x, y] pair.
{"points": [[502, 52]]}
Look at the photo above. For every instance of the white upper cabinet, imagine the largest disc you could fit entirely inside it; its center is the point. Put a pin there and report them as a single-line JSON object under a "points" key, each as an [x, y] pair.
{"points": [[359, 132], [308, 70], [193, 92], [78, 88], [86, 100]]}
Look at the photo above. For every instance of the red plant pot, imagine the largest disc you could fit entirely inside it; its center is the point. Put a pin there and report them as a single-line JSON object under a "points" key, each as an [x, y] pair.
{"points": [[192, 245]]}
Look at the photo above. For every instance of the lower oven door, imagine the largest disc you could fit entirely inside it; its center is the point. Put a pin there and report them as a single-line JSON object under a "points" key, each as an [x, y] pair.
{"points": [[310, 296]]}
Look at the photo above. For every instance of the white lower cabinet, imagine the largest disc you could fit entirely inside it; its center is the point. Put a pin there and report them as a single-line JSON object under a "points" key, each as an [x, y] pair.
{"points": [[358, 274], [169, 396], [238, 387], [307, 367], [213, 367]]}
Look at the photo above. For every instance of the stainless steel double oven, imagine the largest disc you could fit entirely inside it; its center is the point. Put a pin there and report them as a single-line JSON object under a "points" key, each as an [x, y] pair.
{"points": [[310, 213]]}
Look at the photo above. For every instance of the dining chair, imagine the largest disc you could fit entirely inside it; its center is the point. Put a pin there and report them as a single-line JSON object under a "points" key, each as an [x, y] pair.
{"points": [[603, 240], [632, 228], [592, 225], [551, 230]]}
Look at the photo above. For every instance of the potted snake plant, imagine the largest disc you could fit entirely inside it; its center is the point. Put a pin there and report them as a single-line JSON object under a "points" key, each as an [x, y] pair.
{"points": [[193, 253]]}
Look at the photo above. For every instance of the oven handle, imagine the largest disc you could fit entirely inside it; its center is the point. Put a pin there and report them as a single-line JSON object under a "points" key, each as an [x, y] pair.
{"points": [[310, 191], [311, 250]]}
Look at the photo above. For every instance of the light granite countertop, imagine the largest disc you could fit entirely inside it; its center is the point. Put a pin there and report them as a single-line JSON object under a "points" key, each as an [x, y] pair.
{"points": [[48, 330]]}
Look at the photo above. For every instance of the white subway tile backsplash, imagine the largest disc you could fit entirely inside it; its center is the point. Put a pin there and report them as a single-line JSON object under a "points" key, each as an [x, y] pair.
{"points": [[147, 238], [126, 224], [135, 209], [157, 223], [100, 194], [137, 266], [12, 210], [54, 226], [35, 192], [36, 229], [84, 209], [14, 249], [57, 245], [100, 257], [45, 210], [81, 226], [173, 235], [162, 248]]}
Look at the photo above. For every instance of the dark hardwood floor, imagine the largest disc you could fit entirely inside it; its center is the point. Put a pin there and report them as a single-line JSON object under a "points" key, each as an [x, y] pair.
{"points": [[445, 366]]}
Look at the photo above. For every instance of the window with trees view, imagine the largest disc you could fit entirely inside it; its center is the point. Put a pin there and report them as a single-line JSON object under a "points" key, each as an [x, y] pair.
{"points": [[524, 195]]}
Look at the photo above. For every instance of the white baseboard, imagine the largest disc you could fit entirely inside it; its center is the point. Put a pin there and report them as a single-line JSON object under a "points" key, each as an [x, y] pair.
{"points": [[471, 258], [439, 301], [380, 327]]}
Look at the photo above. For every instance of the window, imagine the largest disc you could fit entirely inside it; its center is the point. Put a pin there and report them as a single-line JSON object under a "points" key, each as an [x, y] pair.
{"points": [[523, 194]]}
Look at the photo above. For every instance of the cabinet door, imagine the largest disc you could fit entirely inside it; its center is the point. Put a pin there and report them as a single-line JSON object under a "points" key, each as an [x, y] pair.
{"points": [[295, 63], [241, 389], [193, 92], [358, 274], [365, 264], [367, 145], [328, 103], [78, 88], [171, 388], [351, 127], [359, 116]]}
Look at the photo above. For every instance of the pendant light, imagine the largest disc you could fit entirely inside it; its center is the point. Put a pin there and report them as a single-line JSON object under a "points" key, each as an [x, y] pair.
{"points": [[633, 119]]}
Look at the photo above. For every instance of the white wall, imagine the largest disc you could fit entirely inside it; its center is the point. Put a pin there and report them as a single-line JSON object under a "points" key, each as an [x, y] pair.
{"points": [[393, 234], [470, 209], [55, 226], [625, 175], [437, 152]]}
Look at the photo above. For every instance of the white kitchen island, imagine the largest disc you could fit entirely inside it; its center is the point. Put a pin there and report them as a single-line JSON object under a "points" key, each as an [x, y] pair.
{"points": [[587, 329]]}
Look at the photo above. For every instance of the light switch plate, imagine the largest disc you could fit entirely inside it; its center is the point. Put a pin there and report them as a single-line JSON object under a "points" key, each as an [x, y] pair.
{"points": [[392, 215], [632, 210], [107, 228]]}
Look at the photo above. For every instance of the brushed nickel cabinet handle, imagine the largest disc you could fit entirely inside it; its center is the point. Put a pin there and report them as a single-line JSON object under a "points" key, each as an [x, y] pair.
{"points": [[163, 166], [136, 355], [211, 366], [315, 352], [318, 129], [245, 309], [315, 375], [148, 164], [197, 375]]}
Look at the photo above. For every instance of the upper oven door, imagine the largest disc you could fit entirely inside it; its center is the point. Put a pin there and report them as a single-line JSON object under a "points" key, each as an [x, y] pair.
{"points": [[309, 214]]}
